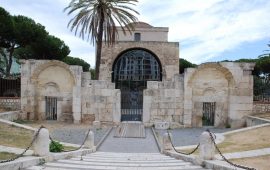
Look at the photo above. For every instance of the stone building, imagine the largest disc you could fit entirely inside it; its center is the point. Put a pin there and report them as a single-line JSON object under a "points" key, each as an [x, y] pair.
{"points": [[139, 81]]}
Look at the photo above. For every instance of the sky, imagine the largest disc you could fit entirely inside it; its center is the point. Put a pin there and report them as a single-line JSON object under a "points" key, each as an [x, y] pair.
{"points": [[207, 30]]}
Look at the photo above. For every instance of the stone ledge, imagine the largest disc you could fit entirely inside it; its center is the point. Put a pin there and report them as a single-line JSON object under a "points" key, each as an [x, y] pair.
{"points": [[211, 164], [22, 163], [17, 125]]}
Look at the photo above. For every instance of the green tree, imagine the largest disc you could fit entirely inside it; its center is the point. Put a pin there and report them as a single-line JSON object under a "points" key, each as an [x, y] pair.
{"points": [[22, 38], [185, 64], [96, 19], [77, 61]]}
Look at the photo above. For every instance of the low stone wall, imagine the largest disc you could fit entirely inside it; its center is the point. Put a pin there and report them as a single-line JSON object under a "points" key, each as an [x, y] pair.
{"points": [[100, 102], [11, 103], [253, 121], [163, 102], [261, 107], [10, 116]]}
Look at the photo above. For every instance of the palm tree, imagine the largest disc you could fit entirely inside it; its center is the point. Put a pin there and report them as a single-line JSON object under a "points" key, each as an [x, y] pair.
{"points": [[96, 20]]}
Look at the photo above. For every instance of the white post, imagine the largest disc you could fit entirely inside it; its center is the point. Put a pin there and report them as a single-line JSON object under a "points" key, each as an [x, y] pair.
{"points": [[207, 147], [89, 143], [167, 145], [42, 142]]}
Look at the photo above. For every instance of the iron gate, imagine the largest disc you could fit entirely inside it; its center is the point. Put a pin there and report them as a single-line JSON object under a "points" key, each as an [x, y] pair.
{"points": [[131, 100], [51, 108], [131, 71], [209, 109]]}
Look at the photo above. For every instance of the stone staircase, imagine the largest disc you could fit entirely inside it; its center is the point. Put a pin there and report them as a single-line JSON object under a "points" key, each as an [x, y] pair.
{"points": [[125, 161], [130, 130]]}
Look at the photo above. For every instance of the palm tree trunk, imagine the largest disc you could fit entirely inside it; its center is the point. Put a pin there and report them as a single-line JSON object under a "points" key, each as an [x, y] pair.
{"points": [[99, 45]]}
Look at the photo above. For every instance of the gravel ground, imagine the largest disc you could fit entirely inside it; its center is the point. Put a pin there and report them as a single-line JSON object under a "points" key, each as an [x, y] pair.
{"points": [[69, 132], [76, 135], [189, 136]]}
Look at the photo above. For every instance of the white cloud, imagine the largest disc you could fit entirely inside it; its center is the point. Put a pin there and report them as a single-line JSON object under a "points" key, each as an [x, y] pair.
{"points": [[204, 28]]}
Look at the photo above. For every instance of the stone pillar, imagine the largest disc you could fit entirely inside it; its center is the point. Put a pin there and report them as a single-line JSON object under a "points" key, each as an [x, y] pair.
{"points": [[42, 142], [207, 147], [76, 104], [89, 143], [167, 145], [117, 107]]}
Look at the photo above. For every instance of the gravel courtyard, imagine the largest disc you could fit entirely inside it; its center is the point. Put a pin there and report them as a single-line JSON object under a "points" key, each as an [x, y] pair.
{"points": [[189, 136]]}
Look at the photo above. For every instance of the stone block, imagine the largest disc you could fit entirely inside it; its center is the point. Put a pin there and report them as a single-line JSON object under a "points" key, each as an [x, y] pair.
{"points": [[161, 125], [207, 147], [42, 142], [97, 124], [89, 142], [152, 85]]}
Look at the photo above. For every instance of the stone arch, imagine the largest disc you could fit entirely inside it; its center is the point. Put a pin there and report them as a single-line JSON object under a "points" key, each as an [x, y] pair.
{"points": [[210, 84], [50, 89], [226, 72], [118, 57], [51, 63]]}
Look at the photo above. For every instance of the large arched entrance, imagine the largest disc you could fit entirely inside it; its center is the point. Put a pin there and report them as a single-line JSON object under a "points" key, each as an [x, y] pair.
{"points": [[131, 71]]}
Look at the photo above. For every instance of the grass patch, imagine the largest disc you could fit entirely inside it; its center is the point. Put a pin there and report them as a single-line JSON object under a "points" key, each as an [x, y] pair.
{"points": [[6, 155], [248, 140], [69, 148], [243, 141], [260, 162], [262, 115], [15, 137], [20, 121]]}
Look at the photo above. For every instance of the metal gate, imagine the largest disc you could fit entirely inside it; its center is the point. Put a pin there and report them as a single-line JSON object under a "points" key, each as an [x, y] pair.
{"points": [[131, 71], [209, 109], [51, 108], [131, 101]]}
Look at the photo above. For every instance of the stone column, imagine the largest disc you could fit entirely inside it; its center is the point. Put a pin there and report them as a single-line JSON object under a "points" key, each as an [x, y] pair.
{"points": [[76, 104], [167, 145], [42, 142], [207, 147], [89, 143]]}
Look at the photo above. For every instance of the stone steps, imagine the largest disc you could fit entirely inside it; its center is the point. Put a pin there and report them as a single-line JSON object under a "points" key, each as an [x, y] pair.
{"points": [[130, 130], [125, 161]]}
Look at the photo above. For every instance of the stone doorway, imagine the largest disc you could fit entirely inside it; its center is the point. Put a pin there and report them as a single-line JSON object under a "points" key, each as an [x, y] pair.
{"points": [[208, 118], [131, 71]]}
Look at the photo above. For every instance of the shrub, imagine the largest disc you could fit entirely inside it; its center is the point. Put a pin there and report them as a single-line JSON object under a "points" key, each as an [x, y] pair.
{"points": [[56, 146]]}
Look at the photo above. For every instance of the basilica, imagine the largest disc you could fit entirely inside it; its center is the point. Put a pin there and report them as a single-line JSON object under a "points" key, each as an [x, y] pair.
{"points": [[139, 81]]}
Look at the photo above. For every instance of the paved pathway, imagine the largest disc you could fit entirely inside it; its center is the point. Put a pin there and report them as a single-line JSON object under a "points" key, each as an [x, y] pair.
{"points": [[130, 145], [76, 135]]}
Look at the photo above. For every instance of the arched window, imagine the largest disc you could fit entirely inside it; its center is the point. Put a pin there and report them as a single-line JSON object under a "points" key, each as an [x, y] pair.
{"points": [[137, 65]]}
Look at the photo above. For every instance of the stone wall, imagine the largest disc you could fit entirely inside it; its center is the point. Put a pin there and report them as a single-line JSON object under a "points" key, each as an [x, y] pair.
{"points": [[50, 78], [163, 101], [166, 52], [209, 85], [260, 107], [10, 103], [228, 84], [100, 101]]}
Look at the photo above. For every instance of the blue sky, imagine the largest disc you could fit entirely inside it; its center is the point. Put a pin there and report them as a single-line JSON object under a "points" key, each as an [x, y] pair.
{"points": [[207, 30]]}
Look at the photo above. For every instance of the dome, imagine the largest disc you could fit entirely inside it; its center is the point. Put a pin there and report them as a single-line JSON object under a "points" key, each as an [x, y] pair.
{"points": [[141, 25]]}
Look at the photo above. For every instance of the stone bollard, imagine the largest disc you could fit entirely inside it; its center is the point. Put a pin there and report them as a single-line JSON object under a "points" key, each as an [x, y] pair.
{"points": [[207, 147], [167, 145], [42, 143], [89, 143]]}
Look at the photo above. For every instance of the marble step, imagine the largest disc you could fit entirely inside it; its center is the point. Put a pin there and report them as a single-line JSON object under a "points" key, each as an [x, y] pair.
{"points": [[116, 161]]}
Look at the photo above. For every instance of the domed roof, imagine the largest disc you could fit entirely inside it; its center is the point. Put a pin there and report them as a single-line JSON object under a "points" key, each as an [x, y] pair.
{"points": [[141, 25]]}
